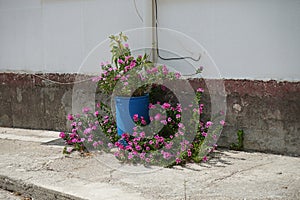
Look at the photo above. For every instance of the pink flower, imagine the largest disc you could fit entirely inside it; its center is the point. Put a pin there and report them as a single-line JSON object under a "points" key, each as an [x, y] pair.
{"points": [[177, 75], [117, 77], [126, 45], [178, 160], [189, 153], [165, 70], [135, 117], [147, 148], [87, 131], [95, 144], [117, 154], [62, 135], [70, 117], [128, 148], [204, 134], [180, 125], [209, 124], [96, 113], [74, 140], [86, 110], [166, 155], [178, 116], [200, 90], [204, 159], [69, 149], [164, 122], [151, 106], [169, 145], [96, 79], [166, 106], [142, 134], [138, 148], [110, 145], [82, 140], [154, 70], [125, 83], [130, 156], [142, 156], [127, 58], [157, 116], [120, 61], [169, 119], [132, 64], [178, 108], [222, 122], [143, 122]]}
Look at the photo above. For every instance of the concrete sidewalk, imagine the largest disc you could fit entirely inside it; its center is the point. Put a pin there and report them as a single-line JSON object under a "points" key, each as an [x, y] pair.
{"points": [[41, 171]]}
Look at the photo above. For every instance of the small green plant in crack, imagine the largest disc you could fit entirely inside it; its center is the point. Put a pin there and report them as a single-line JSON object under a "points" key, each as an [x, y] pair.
{"points": [[240, 145]]}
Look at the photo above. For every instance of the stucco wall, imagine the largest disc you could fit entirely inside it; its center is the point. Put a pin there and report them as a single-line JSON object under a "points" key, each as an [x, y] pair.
{"points": [[253, 39]]}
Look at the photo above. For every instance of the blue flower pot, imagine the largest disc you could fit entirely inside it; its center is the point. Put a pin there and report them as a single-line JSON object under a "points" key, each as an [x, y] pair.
{"points": [[126, 108]]}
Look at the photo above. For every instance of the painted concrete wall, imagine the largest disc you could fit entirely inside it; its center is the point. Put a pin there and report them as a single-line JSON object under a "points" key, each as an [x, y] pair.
{"points": [[254, 39]]}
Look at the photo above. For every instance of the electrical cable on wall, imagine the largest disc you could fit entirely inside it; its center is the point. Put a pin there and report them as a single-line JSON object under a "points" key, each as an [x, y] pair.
{"points": [[137, 11], [157, 49], [61, 83]]}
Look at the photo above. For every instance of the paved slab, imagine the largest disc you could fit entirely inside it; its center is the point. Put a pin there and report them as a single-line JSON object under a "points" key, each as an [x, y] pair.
{"points": [[44, 173], [8, 195]]}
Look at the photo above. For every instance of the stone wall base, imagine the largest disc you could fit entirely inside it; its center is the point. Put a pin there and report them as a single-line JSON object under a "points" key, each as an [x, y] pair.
{"points": [[267, 111]]}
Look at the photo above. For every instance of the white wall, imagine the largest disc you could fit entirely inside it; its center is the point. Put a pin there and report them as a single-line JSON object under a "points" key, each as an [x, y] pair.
{"points": [[255, 39], [246, 38], [56, 35]]}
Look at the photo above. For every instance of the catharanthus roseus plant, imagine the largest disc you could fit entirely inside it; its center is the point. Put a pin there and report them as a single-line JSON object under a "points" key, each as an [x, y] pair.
{"points": [[125, 72], [177, 132]]}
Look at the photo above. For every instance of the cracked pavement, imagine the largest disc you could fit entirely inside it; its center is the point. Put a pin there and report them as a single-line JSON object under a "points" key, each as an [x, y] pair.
{"points": [[43, 170]]}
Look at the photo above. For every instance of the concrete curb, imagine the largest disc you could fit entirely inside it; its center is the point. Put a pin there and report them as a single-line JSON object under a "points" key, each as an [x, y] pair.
{"points": [[33, 191]]}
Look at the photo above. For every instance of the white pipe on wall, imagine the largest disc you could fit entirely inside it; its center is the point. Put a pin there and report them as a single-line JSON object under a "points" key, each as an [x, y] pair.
{"points": [[149, 22]]}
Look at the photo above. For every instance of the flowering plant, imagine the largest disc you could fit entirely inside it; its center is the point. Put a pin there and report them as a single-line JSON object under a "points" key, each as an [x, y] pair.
{"points": [[127, 72], [167, 140]]}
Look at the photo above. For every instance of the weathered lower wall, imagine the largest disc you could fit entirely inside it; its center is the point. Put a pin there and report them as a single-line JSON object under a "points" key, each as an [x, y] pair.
{"points": [[27, 101], [267, 111]]}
